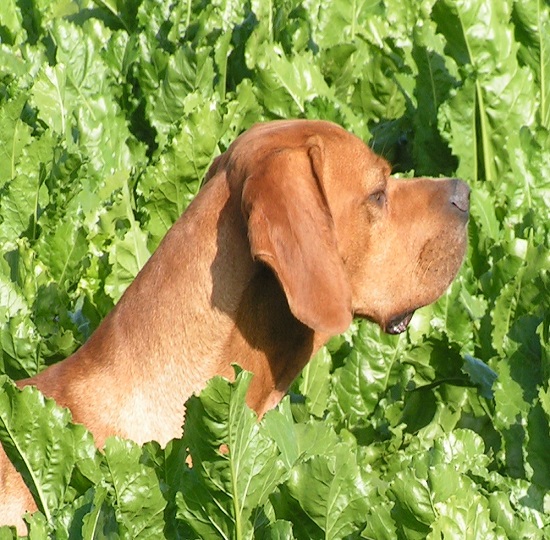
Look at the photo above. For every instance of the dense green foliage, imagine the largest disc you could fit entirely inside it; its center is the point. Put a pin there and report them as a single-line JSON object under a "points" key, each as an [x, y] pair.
{"points": [[110, 113]]}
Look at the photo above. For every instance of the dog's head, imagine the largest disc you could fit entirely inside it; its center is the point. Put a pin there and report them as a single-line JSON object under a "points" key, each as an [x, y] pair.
{"points": [[342, 236]]}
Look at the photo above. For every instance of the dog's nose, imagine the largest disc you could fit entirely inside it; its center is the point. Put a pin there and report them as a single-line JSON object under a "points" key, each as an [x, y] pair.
{"points": [[460, 195]]}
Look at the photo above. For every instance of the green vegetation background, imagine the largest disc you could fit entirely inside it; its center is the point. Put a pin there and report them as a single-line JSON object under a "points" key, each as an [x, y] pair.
{"points": [[110, 114]]}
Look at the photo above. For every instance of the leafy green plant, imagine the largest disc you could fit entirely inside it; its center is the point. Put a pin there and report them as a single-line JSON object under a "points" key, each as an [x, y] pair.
{"points": [[110, 114]]}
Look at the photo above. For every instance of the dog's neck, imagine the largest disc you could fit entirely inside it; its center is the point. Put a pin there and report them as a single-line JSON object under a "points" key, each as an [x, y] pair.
{"points": [[192, 328], [250, 321]]}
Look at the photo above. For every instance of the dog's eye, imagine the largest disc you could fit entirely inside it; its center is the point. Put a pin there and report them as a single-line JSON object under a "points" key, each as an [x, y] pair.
{"points": [[378, 198]]}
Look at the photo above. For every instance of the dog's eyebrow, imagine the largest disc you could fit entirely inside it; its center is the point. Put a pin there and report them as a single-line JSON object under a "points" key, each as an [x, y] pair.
{"points": [[385, 169], [379, 170], [376, 181]]}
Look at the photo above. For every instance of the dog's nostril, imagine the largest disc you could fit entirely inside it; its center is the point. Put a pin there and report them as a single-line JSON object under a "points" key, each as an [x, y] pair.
{"points": [[460, 196]]}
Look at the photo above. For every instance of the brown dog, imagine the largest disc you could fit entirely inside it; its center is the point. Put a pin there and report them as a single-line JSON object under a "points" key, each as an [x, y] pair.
{"points": [[298, 228]]}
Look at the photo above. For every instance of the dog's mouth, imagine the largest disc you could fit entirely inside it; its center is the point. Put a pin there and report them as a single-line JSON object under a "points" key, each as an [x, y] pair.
{"points": [[398, 324]]}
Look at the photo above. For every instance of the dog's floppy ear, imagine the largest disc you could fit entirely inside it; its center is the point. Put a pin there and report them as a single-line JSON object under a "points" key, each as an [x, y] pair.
{"points": [[290, 229]]}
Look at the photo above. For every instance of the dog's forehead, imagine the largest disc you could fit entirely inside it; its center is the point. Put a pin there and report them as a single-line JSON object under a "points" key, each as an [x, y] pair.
{"points": [[357, 168]]}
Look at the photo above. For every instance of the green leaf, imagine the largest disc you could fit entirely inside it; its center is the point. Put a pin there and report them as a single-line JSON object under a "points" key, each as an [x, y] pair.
{"points": [[463, 449], [330, 491], [315, 382], [463, 517], [436, 78], [380, 525], [171, 183], [506, 517], [64, 251], [137, 497], [531, 165], [508, 396], [520, 294], [481, 375], [22, 197], [38, 526], [279, 425], [537, 441], [457, 123], [11, 24], [50, 96], [369, 371], [414, 508], [128, 255], [14, 136], [224, 488], [187, 71], [484, 212], [342, 22], [532, 21], [43, 445], [74, 99], [96, 520], [279, 530], [480, 38], [20, 346], [127, 258], [286, 84], [11, 299]]}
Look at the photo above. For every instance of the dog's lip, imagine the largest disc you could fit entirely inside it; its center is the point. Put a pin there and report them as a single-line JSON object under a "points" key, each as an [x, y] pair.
{"points": [[399, 324]]}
